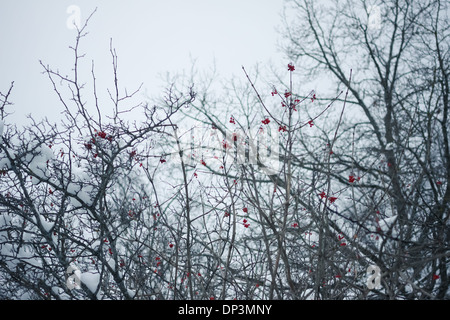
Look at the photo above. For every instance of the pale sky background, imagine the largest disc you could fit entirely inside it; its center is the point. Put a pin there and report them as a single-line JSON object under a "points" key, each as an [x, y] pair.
{"points": [[151, 38]]}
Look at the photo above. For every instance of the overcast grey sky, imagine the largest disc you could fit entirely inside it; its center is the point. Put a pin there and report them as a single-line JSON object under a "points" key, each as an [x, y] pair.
{"points": [[151, 37]]}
